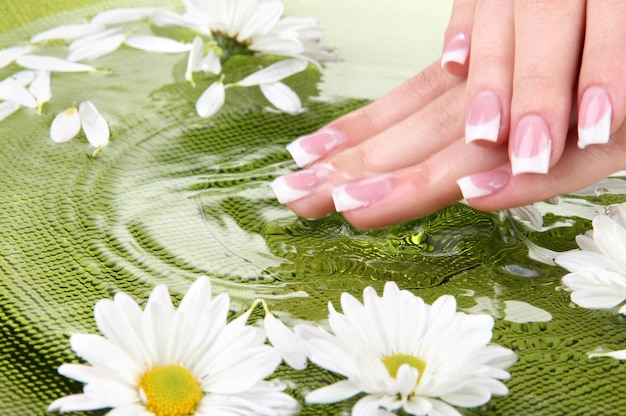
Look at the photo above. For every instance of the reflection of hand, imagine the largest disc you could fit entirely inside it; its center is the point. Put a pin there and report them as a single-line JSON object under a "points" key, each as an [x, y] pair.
{"points": [[401, 156]]}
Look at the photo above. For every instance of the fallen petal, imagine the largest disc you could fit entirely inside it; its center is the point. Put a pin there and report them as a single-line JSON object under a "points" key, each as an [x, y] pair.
{"points": [[65, 126], [274, 72], [7, 108], [283, 97], [211, 63], [164, 18], [17, 94], [195, 56], [122, 15], [211, 100], [97, 48], [52, 64], [94, 125], [67, 32], [20, 79], [10, 54], [157, 44], [40, 89]]}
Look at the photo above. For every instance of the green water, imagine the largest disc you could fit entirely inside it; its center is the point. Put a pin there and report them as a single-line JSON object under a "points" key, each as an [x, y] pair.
{"points": [[175, 196]]}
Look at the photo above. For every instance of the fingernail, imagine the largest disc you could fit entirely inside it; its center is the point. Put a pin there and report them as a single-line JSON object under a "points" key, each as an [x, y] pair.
{"points": [[530, 146], [361, 194], [307, 149], [483, 184], [299, 184], [483, 119], [594, 117], [456, 51]]}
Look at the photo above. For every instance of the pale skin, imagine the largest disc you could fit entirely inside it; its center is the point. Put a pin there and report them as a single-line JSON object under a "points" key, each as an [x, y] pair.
{"points": [[550, 77]]}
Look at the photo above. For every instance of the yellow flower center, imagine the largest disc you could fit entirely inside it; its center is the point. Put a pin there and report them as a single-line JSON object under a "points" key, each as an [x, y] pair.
{"points": [[394, 362], [170, 390]]}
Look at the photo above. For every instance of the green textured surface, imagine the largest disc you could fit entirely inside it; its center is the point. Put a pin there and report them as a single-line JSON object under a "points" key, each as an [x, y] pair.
{"points": [[175, 196]]}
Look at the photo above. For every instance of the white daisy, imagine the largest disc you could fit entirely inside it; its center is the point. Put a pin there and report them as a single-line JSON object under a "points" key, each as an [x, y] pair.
{"points": [[168, 361], [258, 26], [598, 270], [404, 354]]}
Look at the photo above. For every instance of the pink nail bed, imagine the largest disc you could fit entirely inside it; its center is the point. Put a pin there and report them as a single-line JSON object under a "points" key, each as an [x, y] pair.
{"points": [[296, 185], [456, 50], [483, 119], [530, 146], [594, 117], [483, 184], [361, 194], [307, 149]]}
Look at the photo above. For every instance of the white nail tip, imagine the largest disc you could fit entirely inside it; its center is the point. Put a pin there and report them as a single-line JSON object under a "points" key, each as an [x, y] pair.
{"points": [[470, 190], [344, 202], [599, 133], [485, 131], [536, 164], [458, 56], [285, 193], [299, 155]]}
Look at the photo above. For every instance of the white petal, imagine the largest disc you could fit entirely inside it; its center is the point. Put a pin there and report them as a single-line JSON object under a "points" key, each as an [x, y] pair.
{"points": [[41, 89], [618, 355], [265, 17], [17, 94], [157, 44], [94, 125], [51, 63], [333, 393], [20, 79], [195, 56], [164, 18], [95, 47], [67, 32], [283, 97], [10, 54], [211, 100], [122, 15], [75, 402], [7, 108], [285, 341], [274, 72], [211, 63], [65, 126]]}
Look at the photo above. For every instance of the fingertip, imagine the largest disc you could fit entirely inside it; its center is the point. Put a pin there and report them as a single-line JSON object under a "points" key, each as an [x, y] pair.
{"points": [[455, 54]]}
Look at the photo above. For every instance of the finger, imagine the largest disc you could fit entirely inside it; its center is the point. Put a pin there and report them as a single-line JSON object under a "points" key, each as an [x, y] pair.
{"points": [[491, 72], [577, 168], [457, 38], [416, 191], [548, 36], [366, 122], [601, 86], [408, 143]]}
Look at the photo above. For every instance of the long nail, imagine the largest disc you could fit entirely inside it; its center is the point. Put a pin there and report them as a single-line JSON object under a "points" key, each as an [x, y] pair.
{"points": [[483, 119], [482, 184], [530, 146], [307, 149], [362, 193], [299, 184], [456, 51], [594, 117]]}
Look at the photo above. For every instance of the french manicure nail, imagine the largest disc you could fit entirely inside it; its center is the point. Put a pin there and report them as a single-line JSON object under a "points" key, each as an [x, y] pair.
{"points": [[456, 50], [594, 117], [530, 146], [362, 193], [483, 184], [307, 149], [483, 119], [299, 184]]}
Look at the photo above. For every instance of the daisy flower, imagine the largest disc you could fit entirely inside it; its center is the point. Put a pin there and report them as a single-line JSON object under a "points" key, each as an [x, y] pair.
{"points": [[176, 362], [401, 353], [258, 26], [598, 269]]}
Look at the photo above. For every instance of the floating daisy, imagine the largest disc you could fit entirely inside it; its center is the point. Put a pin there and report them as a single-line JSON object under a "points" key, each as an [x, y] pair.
{"points": [[167, 361], [598, 269], [404, 354]]}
